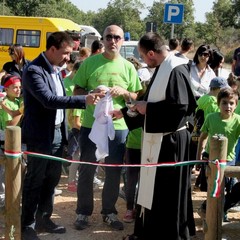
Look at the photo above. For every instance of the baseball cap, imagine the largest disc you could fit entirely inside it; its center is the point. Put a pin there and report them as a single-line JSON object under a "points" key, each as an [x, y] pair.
{"points": [[218, 82]]}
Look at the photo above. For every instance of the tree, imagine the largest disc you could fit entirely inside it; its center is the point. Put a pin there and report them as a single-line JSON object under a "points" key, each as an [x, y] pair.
{"points": [[235, 4], [23, 7], [225, 13], [218, 22], [124, 13], [4, 9]]}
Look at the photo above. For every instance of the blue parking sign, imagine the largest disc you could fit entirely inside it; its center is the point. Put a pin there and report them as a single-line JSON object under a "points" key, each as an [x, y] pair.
{"points": [[173, 13]]}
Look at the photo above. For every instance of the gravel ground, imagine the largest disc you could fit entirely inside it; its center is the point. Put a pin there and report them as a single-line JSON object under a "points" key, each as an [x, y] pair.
{"points": [[64, 214]]}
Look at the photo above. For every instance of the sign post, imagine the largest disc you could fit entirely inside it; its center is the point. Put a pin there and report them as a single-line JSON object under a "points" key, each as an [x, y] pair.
{"points": [[173, 13]]}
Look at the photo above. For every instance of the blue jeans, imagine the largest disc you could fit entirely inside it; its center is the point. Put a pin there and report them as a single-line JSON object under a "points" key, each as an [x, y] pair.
{"points": [[41, 178], [237, 151], [110, 191], [73, 142]]}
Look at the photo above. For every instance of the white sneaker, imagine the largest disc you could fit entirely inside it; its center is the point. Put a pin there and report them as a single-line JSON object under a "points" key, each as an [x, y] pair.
{"points": [[57, 192], [234, 209], [98, 182]]}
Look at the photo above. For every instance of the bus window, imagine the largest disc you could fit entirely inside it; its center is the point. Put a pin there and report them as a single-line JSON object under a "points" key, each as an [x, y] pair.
{"points": [[48, 34], [28, 38], [6, 36]]}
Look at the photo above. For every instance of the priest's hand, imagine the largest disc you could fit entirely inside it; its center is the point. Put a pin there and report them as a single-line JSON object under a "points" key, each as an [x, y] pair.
{"points": [[140, 106]]}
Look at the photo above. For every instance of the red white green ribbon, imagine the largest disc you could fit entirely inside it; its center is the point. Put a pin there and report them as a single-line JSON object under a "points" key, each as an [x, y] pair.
{"points": [[216, 192], [12, 154], [219, 163], [167, 164]]}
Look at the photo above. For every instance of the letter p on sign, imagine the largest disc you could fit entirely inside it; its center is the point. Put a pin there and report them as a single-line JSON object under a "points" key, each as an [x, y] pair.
{"points": [[173, 13]]}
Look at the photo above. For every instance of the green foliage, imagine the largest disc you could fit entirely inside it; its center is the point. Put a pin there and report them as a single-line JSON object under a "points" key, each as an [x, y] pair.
{"points": [[23, 7], [124, 13], [221, 29], [5, 10]]}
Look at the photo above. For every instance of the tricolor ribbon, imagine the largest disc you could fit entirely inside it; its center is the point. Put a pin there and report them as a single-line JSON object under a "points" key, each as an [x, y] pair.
{"points": [[216, 191], [216, 186], [167, 164], [12, 154]]}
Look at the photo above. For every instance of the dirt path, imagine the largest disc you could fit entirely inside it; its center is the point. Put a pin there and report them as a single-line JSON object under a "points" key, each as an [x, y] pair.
{"points": [[64, 214]]}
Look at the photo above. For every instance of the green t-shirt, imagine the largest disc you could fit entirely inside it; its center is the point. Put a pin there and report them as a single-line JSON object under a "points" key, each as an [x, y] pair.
{"points": [[71, 113], [98, 70], [69, 86], [229, 128], [134, 139], [4, 116], [208, 104], [237, 110]]}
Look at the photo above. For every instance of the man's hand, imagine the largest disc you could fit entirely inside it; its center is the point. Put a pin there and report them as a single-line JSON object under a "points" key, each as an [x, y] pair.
{"points": [[93, 98], [116, 114]]}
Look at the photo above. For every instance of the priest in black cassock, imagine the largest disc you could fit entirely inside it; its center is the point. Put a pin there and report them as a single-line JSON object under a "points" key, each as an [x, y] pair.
{"points": [[164, 203]]}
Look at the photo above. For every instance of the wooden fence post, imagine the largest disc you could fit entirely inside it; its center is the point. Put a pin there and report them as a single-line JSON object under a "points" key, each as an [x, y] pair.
{"points": [[12, 184], [218, 150]]}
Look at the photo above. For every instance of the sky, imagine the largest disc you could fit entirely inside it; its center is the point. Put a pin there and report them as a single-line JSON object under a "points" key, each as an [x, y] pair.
{"points": [[201, 6]]}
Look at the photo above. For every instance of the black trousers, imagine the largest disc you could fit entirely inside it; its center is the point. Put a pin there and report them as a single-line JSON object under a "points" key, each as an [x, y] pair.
{"points": [[41, 178]]}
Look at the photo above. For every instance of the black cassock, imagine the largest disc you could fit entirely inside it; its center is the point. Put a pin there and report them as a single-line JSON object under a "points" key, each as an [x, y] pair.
{"points": [[171, 215]]}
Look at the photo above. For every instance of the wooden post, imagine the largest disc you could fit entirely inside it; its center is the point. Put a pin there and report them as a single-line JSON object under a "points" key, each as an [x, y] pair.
{"points": [[232, 171], [218, 150], [13, 184]]}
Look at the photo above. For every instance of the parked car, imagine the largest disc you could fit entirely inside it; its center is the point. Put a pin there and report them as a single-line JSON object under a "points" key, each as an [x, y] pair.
{"points": [[129, 49]]}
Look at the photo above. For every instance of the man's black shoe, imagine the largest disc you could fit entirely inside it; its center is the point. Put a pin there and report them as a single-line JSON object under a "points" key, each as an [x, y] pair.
{"points": [[45, 224], [28, 233], [81, 222]]}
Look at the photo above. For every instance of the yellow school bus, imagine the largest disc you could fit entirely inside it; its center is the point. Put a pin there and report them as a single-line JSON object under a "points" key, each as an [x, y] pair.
{"points": [[31, 33]]}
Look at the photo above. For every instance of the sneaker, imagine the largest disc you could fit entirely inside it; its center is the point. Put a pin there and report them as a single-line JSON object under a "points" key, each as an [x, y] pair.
{"points": [[81, 222], [225, 218], [234, 209], [72, 187], [57, 192], [129, 216], [45, 224], [98, 182], [112, 220], [28, 233]]}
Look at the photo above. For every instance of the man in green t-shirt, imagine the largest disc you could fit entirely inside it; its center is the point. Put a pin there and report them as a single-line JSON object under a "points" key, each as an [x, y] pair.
{"points": [[110, 70]]}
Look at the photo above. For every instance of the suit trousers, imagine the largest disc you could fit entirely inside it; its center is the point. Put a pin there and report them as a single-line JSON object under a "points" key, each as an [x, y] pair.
{"points": [[42, 176]]}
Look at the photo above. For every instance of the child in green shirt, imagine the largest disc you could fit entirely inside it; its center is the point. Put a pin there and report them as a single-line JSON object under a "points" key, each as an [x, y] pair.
{"points": [[225, 122], [206, 104], [12, 87]]}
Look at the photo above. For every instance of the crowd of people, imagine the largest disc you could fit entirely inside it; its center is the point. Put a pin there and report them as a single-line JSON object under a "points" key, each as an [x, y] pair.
{"points": [[103, 108]]}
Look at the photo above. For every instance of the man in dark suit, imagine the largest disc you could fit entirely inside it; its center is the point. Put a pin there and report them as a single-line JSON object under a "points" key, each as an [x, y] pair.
{"points": [[44, 130]]}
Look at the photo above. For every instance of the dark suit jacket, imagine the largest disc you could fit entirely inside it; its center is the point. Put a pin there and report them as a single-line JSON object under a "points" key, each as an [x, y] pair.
{"points": [[41, 102]]}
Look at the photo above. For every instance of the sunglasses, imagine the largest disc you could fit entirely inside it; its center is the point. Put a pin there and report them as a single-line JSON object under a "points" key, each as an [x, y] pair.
{"points": [[204, 54], [110, 37]]}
